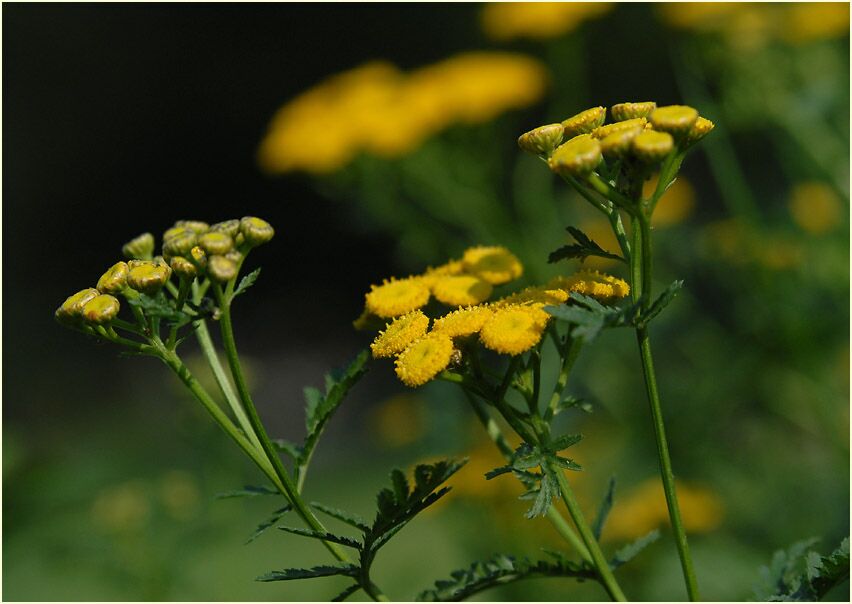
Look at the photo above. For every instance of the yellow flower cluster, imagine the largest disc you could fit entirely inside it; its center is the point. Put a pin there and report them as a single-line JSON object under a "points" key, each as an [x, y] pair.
{"points": [[507, 20], [511, 325], [382, 110], [749, 24]]}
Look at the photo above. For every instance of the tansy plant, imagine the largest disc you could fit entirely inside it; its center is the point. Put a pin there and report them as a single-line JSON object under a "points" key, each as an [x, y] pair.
{"points": [[460, 322]]}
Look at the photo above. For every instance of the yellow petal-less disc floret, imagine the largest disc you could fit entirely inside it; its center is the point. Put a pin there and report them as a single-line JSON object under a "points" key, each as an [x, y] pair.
{"points": [[629, 111], [148, 278], [424, 359], [542, 140], [603, 131], [584, 122], [463, 322], [432, 275], [114, 279], [592, 283], [618, 143], [397, 297], [577, 157], [398, 334], [699, 130], [494, 264], [72, 308], [674, 119], [514, 329], [652, 146], [139, 248], [101, 309], [461, 290]]}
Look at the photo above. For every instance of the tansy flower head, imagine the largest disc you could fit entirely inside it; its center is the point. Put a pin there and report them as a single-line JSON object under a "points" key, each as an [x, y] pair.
{"points": [[221, 268], [541, 296], [584, 122], [699, 130], [397, 297], [72, 308], [114, 280], [140, 248], [651, 146], [196, 226], [542, 140], [603, 131], [463, 322], [578, 156], [100, 309], [216, 242], [461, 290], [148, 278], [424, 359], [619, 142], [629, 111], [494, 264], [593, 283], [399, 334], [432, 275], [675, 119], [514, 329]]}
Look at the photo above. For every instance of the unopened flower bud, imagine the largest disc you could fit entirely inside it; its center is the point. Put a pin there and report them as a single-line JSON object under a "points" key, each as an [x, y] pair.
{"points": [[148, 278], [183, 268], [101, 309], [114, 280], [160, 261], [629, 111], [216, 243], [618, 143], [584, 122], [542, 140], [179, 242], [699, 130], [603, 131], [577, 157], [239, 240], [175, 230], [652, 146], [196, 226], [198, 257], [221, 269], [256, 230], [235, 255], [229, 227], [674, 119], [140, 247], [72, 308]]}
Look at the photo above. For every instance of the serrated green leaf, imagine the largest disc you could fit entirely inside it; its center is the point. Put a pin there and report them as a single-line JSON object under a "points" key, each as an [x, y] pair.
{"points": [[565, 441], [324, 536], [568, 464], [630, 551], [582, 249], [799, 576], [292, 450], [349, 518], [275, 517], [247, 491], [497, 472], [603, 510], [291, 574], [546, 492], [341, 597], [526, 462], [400, 485], [661, 302], [246, 282], [313, 399], [160, 306]]}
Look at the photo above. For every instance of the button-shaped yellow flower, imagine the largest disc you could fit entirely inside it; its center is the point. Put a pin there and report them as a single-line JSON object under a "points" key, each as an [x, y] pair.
{"points": [[592, 283], [674, 119], [619, 142], [629, 111], [177, 241], [584, 122], [256, 230], [101, 309], [148, 278], [398, 334], [221, 268], [651, 146], [72, 308], [140, 248], [196, 226], [114, 279], [216, 242], [577, 157], [514, 329], [603, 131], [462, 290], [542, 140], [229, 227], [494, 264], [397, 297], [463, 322], [699, 130], [183, 268], [424, 359]]}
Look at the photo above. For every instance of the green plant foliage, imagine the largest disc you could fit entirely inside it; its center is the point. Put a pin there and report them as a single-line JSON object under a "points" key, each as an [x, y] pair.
{"points": [[581, 250], [799, 574], [290, 574], [498, 570], [660, 303], [160, 307], [589, 316], [247, 491], [631, 550], [275, 517], [603, 510], [246, 282]]}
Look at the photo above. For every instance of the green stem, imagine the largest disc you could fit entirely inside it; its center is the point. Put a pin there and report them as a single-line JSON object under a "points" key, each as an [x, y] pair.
{"points": [[603, 568], [570, 354], [242, 388], [610, 192], [641, 270]]}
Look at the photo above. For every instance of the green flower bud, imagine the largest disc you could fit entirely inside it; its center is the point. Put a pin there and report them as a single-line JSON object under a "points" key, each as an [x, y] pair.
{"points": [[577, 157], [652, 146], [216, 243], [148, 278], [72, 308], [198, 257], [239, 240], [618, 143], [256, 230], [196, 226], [674, 119], [183, 268], [542, 140], [221, 269], [603, 131], [699, 130], [179, 242], [235, 255], [229, 227], [584, 122], [140, 248], [101, 309], [114, 280], [629, 111]]}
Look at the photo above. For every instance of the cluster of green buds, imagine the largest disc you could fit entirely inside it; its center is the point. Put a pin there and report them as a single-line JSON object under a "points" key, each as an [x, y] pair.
{"points": [[195, 253], [642, 139]]}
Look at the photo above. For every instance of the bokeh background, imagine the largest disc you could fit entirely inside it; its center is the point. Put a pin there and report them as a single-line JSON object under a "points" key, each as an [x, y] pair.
{"points": [[379, 139]]}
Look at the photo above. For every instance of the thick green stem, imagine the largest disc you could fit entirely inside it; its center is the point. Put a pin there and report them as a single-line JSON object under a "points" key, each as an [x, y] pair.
{"points": [[603, 568], [242, 388], [641, 273]]}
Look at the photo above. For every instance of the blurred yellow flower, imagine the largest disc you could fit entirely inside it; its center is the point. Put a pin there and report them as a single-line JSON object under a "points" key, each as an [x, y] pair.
{"points": [[122, 508], [461, 290], [180, 494], [808, 21], [494, 264], [506, 20], [380, 109], [463, 322], [815, 207], [675, 205], [400, 420], [643, 509]]}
